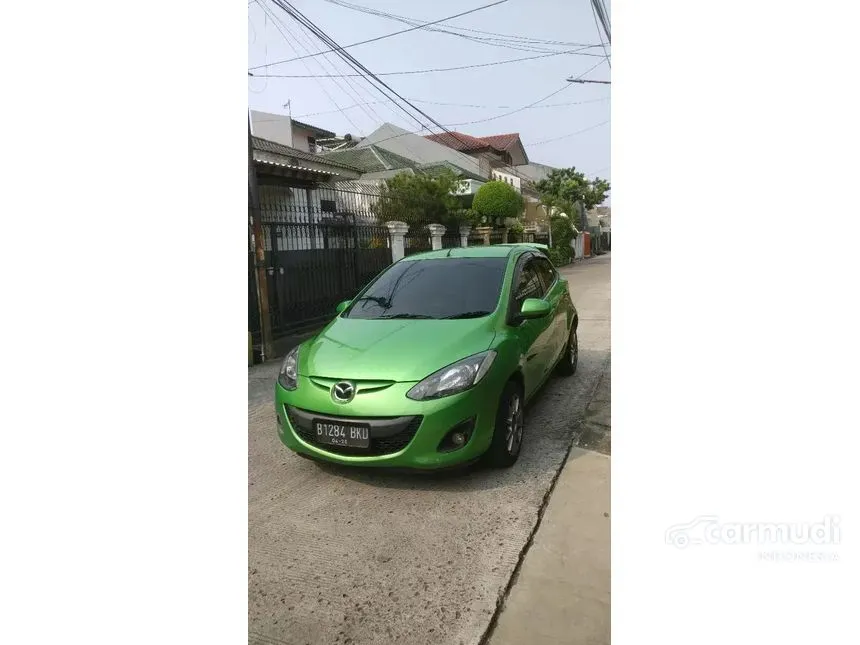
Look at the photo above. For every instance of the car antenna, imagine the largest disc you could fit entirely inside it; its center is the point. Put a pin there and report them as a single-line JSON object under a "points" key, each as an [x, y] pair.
{"points": [[449, 252]]}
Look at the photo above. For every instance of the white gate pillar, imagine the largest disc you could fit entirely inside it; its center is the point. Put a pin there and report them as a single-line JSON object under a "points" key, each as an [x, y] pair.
{"points": [[398, 232]]}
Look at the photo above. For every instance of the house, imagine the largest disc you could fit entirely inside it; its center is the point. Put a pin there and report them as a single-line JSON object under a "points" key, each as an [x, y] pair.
{"points": [[287, 131], [421, 151], [535, 172], [493, 152], [332, 144], [297, 188], [320, 238], [498, 157], [600, 218], [374, 162]]}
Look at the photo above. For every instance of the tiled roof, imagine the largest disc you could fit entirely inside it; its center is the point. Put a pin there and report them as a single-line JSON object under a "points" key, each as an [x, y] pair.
{"points": [[459, 141], [468, 143], [370, 159], [295, 167], [434, 169], [264, 145], [502, 141]]}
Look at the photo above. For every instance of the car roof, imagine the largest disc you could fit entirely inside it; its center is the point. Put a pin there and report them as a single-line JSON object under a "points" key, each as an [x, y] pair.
{"points": [[530, 245], [492, 251]]}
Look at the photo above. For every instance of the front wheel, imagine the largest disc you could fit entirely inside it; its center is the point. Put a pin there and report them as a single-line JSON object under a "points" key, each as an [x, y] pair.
{"points": [[508, 434], [570, 358]]}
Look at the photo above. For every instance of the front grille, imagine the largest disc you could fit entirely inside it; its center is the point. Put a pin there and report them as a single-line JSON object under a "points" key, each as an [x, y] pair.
{"points": [[378, 445]]}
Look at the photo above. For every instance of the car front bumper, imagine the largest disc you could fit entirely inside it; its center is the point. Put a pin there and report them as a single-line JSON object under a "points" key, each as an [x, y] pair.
{"points": [[404, 433]]}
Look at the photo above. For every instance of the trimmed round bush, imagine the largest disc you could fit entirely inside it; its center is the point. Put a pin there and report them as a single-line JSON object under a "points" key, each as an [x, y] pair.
{"points": [[497, 199]]}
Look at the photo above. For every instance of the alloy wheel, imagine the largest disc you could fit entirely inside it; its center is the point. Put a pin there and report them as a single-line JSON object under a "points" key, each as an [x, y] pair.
{"points": [[514, 435]]}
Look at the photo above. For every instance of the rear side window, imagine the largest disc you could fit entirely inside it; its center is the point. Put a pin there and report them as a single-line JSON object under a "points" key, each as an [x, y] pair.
{"points": [[529, 285]]}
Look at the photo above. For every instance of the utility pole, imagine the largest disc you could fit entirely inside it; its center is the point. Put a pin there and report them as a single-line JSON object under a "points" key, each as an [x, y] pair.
{"points": [[259, 253], [580, 80]]}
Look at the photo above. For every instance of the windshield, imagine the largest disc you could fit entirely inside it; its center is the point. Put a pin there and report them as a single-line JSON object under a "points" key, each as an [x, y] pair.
{"points": [[444, 288]]}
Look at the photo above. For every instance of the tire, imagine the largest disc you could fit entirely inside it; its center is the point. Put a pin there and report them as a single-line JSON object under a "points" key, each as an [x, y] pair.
{"points": [[507, 442], [570, 358]]}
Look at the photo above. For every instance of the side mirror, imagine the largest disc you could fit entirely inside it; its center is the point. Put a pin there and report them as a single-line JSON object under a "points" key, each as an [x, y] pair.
{"points": [[342, 306], [534, 308]]}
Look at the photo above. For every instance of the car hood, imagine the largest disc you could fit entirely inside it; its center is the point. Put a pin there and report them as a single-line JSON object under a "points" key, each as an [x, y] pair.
{"points": [[392, 350]]}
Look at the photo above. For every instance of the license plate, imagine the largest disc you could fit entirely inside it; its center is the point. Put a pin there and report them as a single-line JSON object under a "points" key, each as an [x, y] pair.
{"points": [[342, 434]]}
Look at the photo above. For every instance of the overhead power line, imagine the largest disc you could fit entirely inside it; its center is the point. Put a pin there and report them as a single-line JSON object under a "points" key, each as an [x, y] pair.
{"points": [[565, 136], [423, 71], [494, 39], [396, 33], [599, 35], [600, 8], [281, 27], [386, 90], [468, 105], [525, 107]]}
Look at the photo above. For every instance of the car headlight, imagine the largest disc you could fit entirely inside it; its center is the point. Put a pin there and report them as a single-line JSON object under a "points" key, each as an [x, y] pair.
{"points": [[288, 377], [455, 378]]}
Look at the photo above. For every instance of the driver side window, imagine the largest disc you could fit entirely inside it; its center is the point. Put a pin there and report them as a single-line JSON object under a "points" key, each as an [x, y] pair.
{"points": [[529, 285]]}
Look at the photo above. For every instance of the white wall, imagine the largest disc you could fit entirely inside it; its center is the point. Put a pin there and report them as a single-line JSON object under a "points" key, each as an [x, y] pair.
{"points": [[300, 138], [280, 129], [512, 180], [273, 127]]}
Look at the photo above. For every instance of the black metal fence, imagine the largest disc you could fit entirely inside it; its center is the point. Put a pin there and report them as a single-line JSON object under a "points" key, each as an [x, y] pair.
{"points": [[451, 241], [321, 248], [475, 239], [253, 307], [497, 236], [520, 237], [417, 241]]}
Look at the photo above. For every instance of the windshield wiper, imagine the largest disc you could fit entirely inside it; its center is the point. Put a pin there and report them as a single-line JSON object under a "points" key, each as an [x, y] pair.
{"points": [[469, 314], [414, 316], [382, 302]]}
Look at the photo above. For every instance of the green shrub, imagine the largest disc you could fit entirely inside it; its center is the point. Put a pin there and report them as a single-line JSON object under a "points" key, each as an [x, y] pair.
{"points": [[498, 199], [558, 257], [561, 253]]}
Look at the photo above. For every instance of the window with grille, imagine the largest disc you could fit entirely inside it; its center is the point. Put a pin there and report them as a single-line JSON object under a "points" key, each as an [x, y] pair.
{"points": [[328, 205]]}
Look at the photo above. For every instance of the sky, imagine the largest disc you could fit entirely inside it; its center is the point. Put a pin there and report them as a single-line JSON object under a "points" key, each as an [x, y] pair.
{"points": [[317, 100]]}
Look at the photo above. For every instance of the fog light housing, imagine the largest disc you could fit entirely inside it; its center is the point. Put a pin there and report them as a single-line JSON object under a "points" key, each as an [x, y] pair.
{"points": [[457, 437]]}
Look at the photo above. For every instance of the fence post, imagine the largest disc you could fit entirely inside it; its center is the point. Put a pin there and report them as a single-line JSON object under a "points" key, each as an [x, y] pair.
{"points": [[398, 232], [436, 233], [484, 231], [529, 233], [465, 229]]}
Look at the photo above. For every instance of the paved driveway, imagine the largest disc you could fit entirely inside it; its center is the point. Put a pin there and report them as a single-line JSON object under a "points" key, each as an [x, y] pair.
{"points": [[347, 556]]}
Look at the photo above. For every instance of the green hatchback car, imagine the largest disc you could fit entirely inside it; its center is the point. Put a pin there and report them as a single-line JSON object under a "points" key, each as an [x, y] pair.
{"points": [[431, 364]]}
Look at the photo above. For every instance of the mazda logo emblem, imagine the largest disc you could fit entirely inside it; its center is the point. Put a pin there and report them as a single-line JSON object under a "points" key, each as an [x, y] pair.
{"points": [[343, 392]]}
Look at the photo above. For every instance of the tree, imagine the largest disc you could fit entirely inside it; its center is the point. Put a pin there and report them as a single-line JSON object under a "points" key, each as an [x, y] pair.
{"points": [[566, 187], [419, 199], [562, 235], [497, 199]]}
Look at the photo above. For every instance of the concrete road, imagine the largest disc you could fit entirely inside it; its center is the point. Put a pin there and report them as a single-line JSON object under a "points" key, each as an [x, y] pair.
{"points": [[340, 555]]}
